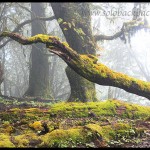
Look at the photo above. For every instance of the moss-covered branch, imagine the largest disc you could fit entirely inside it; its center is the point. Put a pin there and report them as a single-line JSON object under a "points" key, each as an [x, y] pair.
{"points": [[126, 27], [86, 65]]}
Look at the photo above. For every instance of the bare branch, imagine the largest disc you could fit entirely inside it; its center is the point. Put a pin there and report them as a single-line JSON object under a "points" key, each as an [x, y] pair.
{"points": [[24, 23], [127, 26], [106, 37], [25, 8], [3, 10]]}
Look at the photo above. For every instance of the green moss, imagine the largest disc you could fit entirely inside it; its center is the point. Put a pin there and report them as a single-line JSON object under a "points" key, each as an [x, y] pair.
{"points": [[65, 44], [136, 111], [15, 110], [139, 131], [9, 129], [71, 126], [121, 126], [33, 110], [63, 138], [125, 130], [89, 59], [111, 132], [72, 137], [96, 72], [60, 20], [94, 127], [79, 135], [108, 133], [5, 116], [24, 139], [21, 141], [103, 108], [36, 125], [5, 141], [147, 118], [43, 38], [79, 31]]}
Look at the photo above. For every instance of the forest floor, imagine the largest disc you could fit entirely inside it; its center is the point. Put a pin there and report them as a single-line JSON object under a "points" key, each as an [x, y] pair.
{"points": [[110, 123]]}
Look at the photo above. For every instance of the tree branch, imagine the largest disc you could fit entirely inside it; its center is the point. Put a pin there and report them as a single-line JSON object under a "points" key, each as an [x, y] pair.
{"points": [[106, 37], [25, 8], [24, 23], [86, 65], [126, 27]]}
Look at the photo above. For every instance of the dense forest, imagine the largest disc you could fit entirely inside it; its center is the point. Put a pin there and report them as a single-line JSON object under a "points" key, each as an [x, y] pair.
{"points": [[74, 75]]}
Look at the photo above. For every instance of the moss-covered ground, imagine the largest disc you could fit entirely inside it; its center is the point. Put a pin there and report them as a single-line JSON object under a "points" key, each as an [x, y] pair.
{"points": [[110, 123]]}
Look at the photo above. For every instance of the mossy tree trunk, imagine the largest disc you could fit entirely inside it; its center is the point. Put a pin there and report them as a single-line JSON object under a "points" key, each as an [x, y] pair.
{"points": [[39, 68], [77, 15]]}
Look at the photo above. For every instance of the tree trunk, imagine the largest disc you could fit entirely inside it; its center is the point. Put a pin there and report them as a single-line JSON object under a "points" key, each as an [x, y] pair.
{"points": [[4, 77], [81, 89], [1, 76], [110, 93], [39, 69]]}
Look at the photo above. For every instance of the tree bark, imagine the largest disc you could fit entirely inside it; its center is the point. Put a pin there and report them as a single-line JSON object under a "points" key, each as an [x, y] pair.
{"points": [[81, 89], [39, 68], [1, 76], [86, 65]]}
